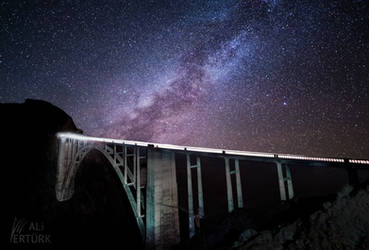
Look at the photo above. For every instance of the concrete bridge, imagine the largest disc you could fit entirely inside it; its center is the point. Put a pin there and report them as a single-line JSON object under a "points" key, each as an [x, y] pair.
{"points": [[147, 172]]}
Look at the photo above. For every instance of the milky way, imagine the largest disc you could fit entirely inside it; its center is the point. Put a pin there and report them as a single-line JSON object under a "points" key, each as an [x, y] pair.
{"points": [[271, 76]]}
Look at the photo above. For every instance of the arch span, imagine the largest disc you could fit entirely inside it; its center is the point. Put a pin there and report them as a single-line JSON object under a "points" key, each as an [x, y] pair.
{"points": [[72, 153]]}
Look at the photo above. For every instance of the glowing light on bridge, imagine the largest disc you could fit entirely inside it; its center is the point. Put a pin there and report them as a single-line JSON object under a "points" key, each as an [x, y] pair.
{"points": [[208, 150], [307, 158], [359, 161]]}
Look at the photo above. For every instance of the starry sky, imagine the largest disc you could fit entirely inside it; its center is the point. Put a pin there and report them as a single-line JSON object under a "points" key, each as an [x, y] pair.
{"points": [[259, 75]]}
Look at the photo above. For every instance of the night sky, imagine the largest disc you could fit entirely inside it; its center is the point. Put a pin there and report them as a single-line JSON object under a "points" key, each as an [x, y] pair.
{"points": [[269, 76]]}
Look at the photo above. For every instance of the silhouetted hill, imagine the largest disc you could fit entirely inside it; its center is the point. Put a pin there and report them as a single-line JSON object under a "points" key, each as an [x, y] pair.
{"points": [[96, 215], [29, 153]]}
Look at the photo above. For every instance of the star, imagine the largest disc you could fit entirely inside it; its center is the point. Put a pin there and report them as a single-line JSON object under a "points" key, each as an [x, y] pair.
{"points": [[201, 73]]}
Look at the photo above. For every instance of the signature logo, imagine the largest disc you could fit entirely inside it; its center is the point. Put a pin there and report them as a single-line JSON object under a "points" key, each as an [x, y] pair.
{"points": [[29, 232]]}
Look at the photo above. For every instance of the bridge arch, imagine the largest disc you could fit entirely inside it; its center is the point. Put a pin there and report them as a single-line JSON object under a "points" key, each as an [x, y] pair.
{"points": [[72, 153], [99, 209]]}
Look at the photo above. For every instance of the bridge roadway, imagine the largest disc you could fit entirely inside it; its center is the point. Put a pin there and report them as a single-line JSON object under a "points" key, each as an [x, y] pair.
{"points": [[147, 172]]}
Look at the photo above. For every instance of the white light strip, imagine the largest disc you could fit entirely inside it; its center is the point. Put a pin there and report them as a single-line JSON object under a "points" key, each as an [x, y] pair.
{"points": [[248, 153], [359, 161], [163, 146], [205, 150], [307, 158]]}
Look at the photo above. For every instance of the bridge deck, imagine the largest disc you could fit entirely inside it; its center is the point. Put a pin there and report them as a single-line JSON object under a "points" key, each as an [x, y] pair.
{"points": [[213, 150]]}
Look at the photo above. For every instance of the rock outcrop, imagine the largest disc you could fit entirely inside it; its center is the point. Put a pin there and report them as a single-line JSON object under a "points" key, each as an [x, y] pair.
{"points": [[342, 224]]}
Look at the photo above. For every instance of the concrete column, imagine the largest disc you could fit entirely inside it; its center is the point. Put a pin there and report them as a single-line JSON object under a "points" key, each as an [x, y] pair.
{"points": [[229, 186], [138, 182], [199, 187], [282, 189], [238, 183], [289, 182], [283, 181], [134, 165], [190, 193], [125, 163], [191, 226], [162, 219]]}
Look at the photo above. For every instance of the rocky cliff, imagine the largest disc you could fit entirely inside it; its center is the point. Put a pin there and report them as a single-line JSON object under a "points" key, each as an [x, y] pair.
{"points": [[341, 224]]}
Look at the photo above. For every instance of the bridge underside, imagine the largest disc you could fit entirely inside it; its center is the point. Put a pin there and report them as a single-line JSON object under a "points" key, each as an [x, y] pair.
{"points": [[148, 176]]}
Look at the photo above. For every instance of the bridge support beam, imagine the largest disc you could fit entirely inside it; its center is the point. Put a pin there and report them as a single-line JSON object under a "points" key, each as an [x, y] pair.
{"points": [[162, 218], [238, 184], [236, 171], [125, 164], [138, 182], [285, 182], [191, 214], [229, 186], [199, 187]]}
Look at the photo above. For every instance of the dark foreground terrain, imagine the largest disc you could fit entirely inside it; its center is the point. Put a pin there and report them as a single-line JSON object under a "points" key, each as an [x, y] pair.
{"points": [[96, 215], [340, 224]]}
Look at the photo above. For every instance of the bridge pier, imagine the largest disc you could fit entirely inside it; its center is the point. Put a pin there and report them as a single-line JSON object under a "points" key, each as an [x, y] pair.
{"points": [[236, 171], [284, 182], [191, 215], [238, 184], [162, 218]]}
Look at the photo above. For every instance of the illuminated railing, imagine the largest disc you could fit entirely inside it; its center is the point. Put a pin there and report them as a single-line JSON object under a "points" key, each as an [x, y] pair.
{"points": [[307, 158], [208, 150], [164, 146], [359, 161]]}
